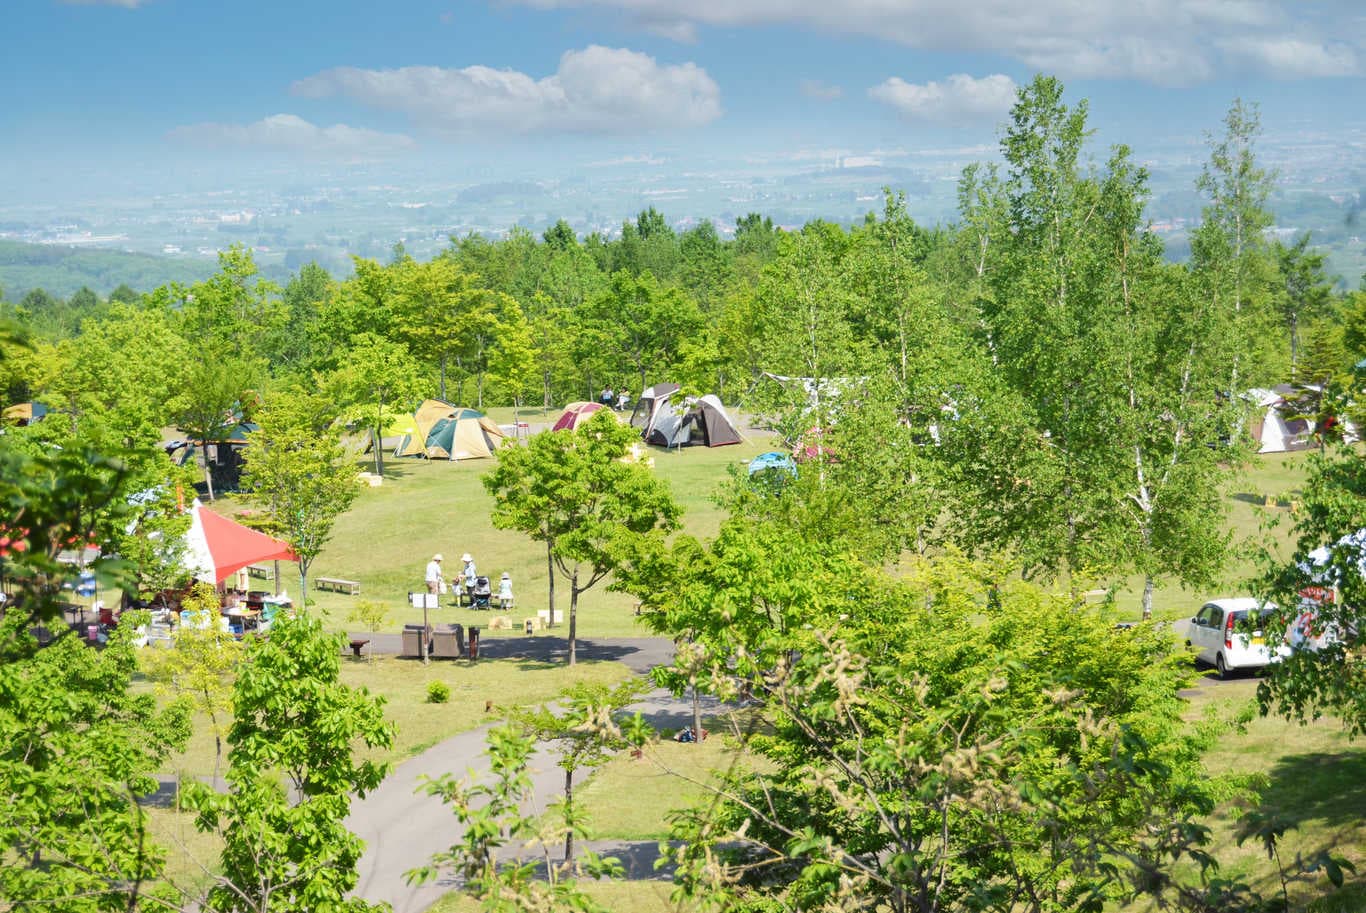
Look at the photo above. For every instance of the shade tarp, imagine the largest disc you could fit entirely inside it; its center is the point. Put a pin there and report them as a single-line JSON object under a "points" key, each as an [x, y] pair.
{"points": [[216, 547]]}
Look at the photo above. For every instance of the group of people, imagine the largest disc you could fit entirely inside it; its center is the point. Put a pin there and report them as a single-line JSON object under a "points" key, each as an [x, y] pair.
{"points": [[467, 579], [614, 400]]}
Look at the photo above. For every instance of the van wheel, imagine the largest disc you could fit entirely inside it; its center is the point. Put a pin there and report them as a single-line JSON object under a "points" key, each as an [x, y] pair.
{"points": [[1220, 667]]}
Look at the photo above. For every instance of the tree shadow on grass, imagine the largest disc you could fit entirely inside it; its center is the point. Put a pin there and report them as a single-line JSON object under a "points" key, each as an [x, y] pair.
{"points": [[1321, 787]]}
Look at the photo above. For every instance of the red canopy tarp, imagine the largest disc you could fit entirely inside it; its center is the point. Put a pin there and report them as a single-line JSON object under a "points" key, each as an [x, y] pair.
{"points": [[218, 547]]}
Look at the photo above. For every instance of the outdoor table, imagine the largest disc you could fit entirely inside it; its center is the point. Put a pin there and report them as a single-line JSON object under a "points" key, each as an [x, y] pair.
{"points": [[357, 643]]}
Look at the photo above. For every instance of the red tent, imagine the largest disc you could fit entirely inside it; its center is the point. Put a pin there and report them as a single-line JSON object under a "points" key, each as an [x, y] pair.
{"points": [[218, 547], [574, 414]]}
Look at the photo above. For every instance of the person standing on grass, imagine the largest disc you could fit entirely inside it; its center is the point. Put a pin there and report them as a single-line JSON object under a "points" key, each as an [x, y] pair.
{"points": [[469, 573], [434, 574]]}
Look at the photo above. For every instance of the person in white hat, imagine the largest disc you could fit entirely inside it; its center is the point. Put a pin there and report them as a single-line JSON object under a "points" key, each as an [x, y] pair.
{"points": [[505, 591], [434, 574], [469, 573]]}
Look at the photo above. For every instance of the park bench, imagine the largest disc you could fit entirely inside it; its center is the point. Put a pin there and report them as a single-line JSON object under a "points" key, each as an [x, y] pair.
{"points": [[338, 585], [260, 570]]}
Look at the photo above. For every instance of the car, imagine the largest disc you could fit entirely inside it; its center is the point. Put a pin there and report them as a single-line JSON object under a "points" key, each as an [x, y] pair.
{"points": [[1228, 634]]}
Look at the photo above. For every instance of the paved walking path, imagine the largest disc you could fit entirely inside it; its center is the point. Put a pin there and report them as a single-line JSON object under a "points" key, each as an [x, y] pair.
{"points": [[402, 827]]}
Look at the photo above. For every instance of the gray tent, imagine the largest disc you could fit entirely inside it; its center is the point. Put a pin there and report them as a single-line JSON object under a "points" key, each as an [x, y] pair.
{"points": [[664, 424]]}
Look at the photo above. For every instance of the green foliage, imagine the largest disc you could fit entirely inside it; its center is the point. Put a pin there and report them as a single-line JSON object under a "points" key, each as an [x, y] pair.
{"points": [[586, 733], [77, 750], [290, 850], [374, 615], [64, 270], [576, 492], [1312, 682], [300, 473], [438, 692], [491, 818], [929, 750], [199, 667]]}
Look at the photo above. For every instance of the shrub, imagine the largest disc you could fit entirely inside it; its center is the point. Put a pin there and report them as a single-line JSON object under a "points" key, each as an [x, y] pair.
{"points": [[438, 692]]}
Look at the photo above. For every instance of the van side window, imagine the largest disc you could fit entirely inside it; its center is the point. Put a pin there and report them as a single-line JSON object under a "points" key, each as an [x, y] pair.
{"points": [[1216, 617], [1202, 617]]}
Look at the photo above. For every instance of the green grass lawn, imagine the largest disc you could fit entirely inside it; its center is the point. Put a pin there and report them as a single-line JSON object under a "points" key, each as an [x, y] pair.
{"points": [[1314, 779], [620, 896], [423, 507], [403, 685]]}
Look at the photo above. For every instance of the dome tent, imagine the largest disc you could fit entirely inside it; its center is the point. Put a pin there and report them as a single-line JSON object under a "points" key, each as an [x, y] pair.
{"points": [[576, 414], [448, 432]]}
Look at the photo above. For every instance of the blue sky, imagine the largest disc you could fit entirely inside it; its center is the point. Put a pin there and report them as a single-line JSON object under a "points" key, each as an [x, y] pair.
{"points": [[160, 84]]}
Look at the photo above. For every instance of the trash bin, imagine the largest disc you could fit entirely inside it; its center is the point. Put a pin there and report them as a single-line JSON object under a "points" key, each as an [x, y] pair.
{"points": [[474, 642], [459, 630]]}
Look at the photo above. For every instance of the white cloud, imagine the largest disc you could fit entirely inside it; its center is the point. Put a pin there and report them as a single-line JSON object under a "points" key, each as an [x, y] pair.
{"points": [[958, 99], [294, 134], [1160, 41], [1294, 56], [814, 88], [596, 90]]}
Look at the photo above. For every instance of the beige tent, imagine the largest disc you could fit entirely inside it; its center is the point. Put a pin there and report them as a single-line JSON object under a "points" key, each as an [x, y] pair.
{"points": [[447, 432]]}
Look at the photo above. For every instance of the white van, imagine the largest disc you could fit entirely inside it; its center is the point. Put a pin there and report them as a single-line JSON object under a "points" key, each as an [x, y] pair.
{"points": [[1227, 634]]}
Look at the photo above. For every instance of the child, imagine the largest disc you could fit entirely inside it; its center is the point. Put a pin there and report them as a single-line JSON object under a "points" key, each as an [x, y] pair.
{"points": [[505, 591]]}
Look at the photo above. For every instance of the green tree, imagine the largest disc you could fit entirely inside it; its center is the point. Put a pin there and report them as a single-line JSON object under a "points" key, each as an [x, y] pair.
{"points": [[1314, 681], [376, 379], [586, 734], [560, 236], [293, 719], [298, 470], [199, 668], [491, 816], [575, 492], [209, 406], [234, 310], [930, 751], [1306, 293], [77, 748], [640, 323], [1229, 252], [705, 268]]}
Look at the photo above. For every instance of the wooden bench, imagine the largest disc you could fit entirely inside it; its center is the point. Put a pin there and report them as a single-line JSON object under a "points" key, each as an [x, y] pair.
{"points": [[260, 570], [338, 585]]}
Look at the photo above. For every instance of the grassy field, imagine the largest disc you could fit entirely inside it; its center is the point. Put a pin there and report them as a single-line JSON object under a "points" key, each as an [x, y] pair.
{"points": [[424, 507], [1312, 777], [403, 685]]}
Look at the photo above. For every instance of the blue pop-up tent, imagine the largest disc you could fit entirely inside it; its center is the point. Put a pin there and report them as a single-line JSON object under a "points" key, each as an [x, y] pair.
{"points": [[773, 460]]}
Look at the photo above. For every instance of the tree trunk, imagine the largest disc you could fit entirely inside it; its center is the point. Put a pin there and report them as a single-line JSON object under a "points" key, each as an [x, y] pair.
{"points": [[569, 814], [550, 571], [696, 711], [303, 586], [379, 438], [276, 579], [442, 387], [208, 476], [1147, 596], [573, 614]]}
